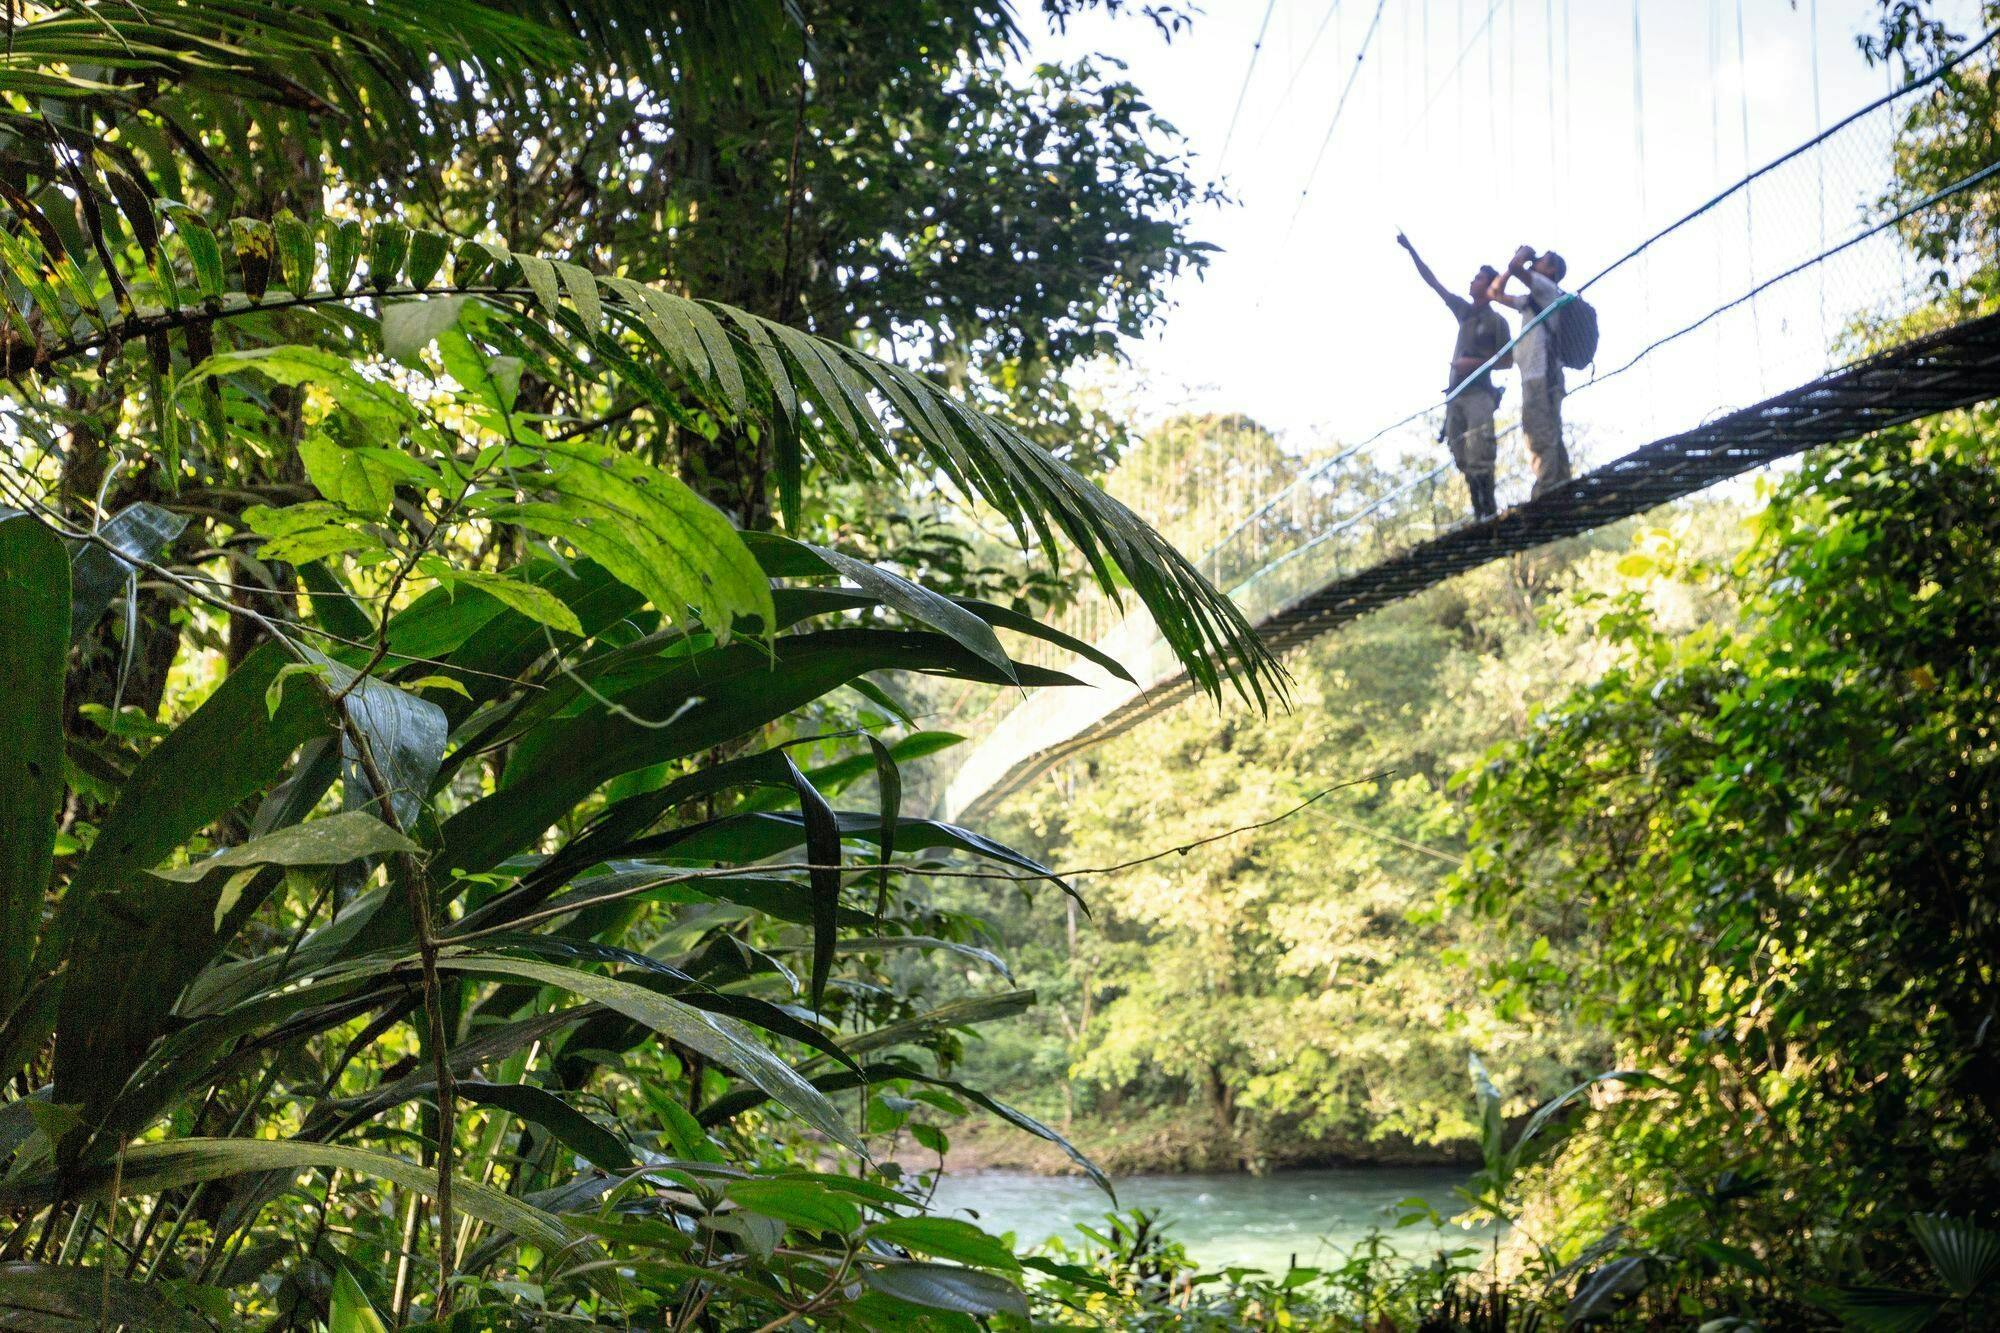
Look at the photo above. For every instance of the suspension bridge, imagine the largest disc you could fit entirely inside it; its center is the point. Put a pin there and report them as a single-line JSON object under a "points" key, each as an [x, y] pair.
{"points": [[1854, 313]]}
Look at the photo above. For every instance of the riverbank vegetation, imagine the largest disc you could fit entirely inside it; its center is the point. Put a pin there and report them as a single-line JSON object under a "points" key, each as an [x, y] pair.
{"points": [[1717, 891]]}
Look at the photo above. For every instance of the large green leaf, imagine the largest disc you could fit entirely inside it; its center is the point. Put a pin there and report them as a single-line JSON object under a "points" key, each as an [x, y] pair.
{"points": [[149, 1168], [331, 841], [782, 557], [1605, 1289], [946, 1238], [577, 1131], [885, 943], [1885, 1309], [50, 1298], [1966, 1256], [34, 642], [331, 1120], [1546, 1112], [782, 899], [962, 1012], [720, 1039], [651, 530], [920, 604], [351, 1311], [727, 1107], [1002, 617], [803, 1203], [741, 688], [405, 735], [763, 834], [943, 1287], [663, 979], [628, 818], [104, 567], [130, 941], [823, 857]]}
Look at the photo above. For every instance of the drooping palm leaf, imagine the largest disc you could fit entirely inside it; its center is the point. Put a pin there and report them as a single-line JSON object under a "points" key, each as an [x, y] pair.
{"points": [[847, 411], [303, 55]]}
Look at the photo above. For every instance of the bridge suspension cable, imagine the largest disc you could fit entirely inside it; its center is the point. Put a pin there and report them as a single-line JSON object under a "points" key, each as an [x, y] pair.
{"points": [[1450, 74], [1299, 68], [1346, 534], [1333, 125], [1749, 297], [1249, 71], [1936, 197], [1783, 159]]}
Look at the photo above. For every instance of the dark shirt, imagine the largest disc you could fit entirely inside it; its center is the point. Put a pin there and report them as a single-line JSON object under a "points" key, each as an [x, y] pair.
{"points": [[1481, 333]]}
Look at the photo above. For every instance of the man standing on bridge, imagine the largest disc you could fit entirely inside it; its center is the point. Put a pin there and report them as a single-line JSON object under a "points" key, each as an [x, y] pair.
{"points": [[1538, 356], [1468, 416]]}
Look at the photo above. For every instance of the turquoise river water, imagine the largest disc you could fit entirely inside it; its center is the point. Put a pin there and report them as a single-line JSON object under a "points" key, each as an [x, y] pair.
{"points": [[1258, 1222]]}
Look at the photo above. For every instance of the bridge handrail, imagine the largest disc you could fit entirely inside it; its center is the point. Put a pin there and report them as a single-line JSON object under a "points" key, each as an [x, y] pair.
{"points": [[1902, 90]]}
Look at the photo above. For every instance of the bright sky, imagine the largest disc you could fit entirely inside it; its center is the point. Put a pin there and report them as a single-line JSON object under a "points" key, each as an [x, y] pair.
{"points": [[1477, 125]]}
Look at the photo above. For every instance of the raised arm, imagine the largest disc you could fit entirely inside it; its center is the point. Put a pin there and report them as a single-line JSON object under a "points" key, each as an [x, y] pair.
{"points": [[1424, 270], [1517, 267]]}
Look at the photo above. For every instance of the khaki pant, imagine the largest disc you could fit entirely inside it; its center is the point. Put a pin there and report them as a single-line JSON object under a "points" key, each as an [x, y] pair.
{"points": [[1541, 423], [1468, 431]]}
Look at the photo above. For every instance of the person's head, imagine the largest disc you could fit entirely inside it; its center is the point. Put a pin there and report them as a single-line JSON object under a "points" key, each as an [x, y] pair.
{"points": [[1551, 266], [1481, 288]]}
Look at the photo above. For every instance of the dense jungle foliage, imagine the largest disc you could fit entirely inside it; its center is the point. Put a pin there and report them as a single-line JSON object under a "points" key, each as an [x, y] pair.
{"points": [[1710, 838], [1294, 985], [491, 497], [423, 897]]}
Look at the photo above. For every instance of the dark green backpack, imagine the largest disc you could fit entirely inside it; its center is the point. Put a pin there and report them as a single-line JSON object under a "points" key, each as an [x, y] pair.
{"points": [[1576, 333]]}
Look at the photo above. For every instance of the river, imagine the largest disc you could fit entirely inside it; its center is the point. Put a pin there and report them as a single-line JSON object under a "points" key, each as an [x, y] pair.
{"points": [[1254, 1221]]}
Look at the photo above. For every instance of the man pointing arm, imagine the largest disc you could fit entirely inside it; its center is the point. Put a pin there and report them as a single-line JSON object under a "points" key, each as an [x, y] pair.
{"points": [[1468, 417]]}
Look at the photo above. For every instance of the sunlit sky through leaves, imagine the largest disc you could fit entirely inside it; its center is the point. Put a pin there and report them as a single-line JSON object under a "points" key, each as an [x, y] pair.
{"points": [[1581, 125]]}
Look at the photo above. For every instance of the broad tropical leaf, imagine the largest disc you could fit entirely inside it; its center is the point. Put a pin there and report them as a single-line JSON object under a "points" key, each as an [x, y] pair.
{"points": [[52, 1298], [34, 640], [746, 367], [720, 1039], [148, 1168]]}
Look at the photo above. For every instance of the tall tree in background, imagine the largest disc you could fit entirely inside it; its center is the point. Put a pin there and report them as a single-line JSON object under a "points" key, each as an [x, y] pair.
{"points": [[398, 829]]}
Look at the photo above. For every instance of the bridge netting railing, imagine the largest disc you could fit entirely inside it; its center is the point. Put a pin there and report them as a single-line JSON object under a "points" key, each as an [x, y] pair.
{"points": [[1797, 269]]}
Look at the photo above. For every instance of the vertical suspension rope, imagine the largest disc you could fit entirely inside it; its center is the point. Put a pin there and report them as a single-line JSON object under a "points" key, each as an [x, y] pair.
{"points": [[1819, 159], [1714, 103], [1549, 83], [1715, 130], [1381, 115], [1749, 212], [1639, 157], [1458, 40], [1569, 100], [1639, 104], [1410, 57], [1513, 84], [1256, 49], [1492, 121]]}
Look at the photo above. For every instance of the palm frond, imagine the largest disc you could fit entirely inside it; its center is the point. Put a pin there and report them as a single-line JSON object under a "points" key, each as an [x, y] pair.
{"points": [[297, 54], [846, 411]]}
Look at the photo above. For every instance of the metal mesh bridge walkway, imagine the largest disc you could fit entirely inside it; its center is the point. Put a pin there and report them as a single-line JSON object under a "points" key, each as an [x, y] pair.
{"points": [[1956, 367]]}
